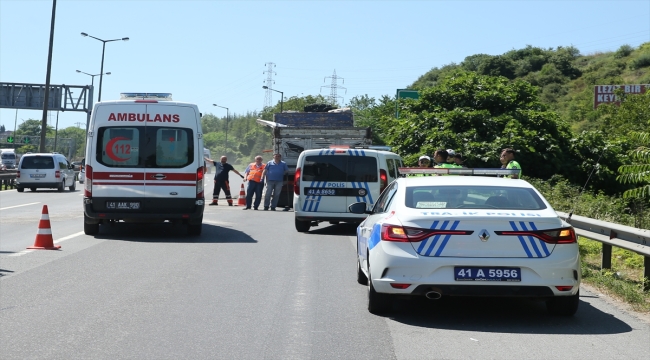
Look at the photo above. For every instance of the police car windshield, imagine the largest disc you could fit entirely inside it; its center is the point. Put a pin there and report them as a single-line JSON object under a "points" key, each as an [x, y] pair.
{"points": [[473, 197]]}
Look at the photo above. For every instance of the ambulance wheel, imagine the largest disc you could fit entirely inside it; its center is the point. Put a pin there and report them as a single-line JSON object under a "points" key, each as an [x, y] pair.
{"points": [[73, 187], [302, 226], [19, 189], [563, 305], [90, 229], [377, 303], [195, 229]]}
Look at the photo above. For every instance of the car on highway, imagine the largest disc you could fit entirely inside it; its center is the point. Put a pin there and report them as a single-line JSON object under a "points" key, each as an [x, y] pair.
{"points": [[472, 235], [45, 170]]}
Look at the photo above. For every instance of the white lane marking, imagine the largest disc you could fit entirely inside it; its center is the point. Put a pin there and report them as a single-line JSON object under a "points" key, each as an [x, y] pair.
{"points": [[11, 207], [21, 253], [69, 237]]}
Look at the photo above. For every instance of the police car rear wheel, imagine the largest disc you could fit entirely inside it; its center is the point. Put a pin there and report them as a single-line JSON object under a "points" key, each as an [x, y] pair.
{"points": [[302, 226], [195, 229], [361, 277], [563, 305], [377, 303]]}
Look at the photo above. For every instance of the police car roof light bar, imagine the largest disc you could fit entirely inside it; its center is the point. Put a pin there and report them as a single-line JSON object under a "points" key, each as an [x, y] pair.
{"points": [[459, 171], [145, 96]]}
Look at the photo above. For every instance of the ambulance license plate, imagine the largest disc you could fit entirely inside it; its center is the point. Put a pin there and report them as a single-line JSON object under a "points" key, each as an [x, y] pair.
{"points": [[123, 205], [485, 273]]}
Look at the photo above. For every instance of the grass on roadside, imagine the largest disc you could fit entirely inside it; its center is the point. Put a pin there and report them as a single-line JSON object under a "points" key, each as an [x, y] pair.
{"points": [[624, 281]]}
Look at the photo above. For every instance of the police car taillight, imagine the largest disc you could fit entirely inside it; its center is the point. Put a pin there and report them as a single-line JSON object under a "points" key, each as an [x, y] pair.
{"points": [[404, 234], [553, 236], [199, 183], [383, 180], [296, 182], [88, 183]]}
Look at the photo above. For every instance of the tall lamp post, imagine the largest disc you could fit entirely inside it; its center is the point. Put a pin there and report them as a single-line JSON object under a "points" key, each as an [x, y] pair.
{"points": [[281, 95], [92, 80], [227, 116], [101, 71]]}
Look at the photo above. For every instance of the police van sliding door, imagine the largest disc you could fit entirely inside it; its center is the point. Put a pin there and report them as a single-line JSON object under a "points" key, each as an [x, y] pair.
{"points": [[171, 162]]}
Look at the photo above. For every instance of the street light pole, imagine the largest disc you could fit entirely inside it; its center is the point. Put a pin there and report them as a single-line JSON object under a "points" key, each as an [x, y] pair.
{"points": [[92, 80], [101, 71], [227, 116], [281, 95]]}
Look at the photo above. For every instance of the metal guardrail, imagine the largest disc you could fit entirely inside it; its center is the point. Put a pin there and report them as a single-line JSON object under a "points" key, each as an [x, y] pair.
{"points": [[611, 234], [8, 178]]}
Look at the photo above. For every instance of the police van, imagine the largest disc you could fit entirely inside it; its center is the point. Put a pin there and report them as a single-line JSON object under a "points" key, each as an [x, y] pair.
{"points": [[328, 180], [144, 162]]}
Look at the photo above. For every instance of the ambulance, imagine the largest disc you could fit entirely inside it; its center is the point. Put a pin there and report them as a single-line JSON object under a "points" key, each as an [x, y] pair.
{"points": [[144, 163]]}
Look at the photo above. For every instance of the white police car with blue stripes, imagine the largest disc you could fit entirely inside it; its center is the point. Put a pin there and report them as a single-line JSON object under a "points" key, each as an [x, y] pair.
{"points": [[436, 236], [328, 180]]}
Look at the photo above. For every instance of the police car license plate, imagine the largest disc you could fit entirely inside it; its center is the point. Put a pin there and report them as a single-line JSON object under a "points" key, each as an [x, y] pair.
{"points": [[484, 273], [123, 205]]}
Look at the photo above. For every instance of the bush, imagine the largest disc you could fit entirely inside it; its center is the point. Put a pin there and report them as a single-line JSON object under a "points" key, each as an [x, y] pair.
{"points": [[641, 61], [623, 51]]}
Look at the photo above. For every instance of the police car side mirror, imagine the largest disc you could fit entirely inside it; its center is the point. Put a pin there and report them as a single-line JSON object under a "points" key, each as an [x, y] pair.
{"points": [[359, 208]]}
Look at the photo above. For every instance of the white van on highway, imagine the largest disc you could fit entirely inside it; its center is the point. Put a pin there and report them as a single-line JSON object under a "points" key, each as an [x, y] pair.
{"points": [[328, 180], [144, 162]]}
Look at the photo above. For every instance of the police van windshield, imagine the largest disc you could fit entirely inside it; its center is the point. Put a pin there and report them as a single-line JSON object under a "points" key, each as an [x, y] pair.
{"points": [[473, 197], [145, 147], [340, 168], [37, 162]]}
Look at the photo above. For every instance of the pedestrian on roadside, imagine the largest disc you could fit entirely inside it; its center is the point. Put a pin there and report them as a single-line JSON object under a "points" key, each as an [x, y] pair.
{"points": [[221, 181], [255, 176], [451, 155], [274, 174], [458, 159], [440, 157], [508, 162], [423, 162]]}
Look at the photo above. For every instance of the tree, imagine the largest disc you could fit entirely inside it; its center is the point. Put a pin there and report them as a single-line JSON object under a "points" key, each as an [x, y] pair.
{"points": [[33, 128], [479, 115], [637, 173], [2, 128]]}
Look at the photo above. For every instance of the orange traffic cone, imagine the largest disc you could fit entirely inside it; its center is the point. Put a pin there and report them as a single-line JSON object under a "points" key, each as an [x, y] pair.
{"points": [[242, 197], [44, 238]]}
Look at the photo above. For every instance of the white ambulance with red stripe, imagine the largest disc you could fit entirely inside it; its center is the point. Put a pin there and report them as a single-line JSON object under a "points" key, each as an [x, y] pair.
{"points": [[144, 163]]}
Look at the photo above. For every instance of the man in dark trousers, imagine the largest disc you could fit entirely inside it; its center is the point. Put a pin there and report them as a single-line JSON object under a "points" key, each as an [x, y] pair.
{"points": [[221, 179]]}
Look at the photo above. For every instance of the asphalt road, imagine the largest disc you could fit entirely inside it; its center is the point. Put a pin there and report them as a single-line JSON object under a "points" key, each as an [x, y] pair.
{"points": [[251, 287]]}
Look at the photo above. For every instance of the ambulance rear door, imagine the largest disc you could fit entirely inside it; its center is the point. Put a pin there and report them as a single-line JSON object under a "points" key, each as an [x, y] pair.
{"points": [[173, 157]]}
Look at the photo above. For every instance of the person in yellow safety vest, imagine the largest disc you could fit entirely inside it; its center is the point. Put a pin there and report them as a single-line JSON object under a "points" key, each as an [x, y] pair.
{"points": [[508, 162], [253, 174], [423, 162], [440, 158]]}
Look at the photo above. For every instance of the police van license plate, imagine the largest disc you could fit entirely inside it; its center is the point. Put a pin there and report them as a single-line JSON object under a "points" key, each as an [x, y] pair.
{"points": [[320, 192], [485, 273], [123, 205], [36, 176]]}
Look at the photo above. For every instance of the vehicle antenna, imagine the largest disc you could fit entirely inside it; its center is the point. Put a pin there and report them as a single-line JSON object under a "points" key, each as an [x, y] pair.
{"points": [[596, 165]]}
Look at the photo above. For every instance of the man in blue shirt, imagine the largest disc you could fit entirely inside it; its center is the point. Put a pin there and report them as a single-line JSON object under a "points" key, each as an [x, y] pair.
{"points": [[221, 179], [274, 173]]}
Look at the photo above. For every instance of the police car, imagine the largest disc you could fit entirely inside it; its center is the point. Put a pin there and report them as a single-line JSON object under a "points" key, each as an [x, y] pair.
{"points": [[435, 236]]}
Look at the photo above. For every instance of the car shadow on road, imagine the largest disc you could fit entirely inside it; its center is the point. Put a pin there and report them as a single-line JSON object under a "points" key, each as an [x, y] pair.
{"points": [[503, 315], [326, 228], [170, 233]]}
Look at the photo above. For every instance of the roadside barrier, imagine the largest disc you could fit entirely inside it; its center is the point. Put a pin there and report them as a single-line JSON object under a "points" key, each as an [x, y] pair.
{"points": [[242, 197], [44, 240]]}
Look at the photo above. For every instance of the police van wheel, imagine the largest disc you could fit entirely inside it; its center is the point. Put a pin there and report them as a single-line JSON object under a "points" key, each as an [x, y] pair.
{"points": [[61, 186], [377, 303], [90, 229], [302, 226], [195, 229], [19, 189]]}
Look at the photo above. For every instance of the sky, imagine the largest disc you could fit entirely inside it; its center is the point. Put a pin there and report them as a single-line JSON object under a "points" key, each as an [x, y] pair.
{"points": [[216, 52]]}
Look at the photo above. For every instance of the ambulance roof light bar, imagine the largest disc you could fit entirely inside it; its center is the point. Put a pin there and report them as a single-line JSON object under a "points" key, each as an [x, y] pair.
{"points": [[459, 171], [145, 96]]}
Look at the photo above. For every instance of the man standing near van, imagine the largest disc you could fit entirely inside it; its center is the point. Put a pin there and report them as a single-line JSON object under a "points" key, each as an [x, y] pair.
{"points": [[274, 173], [221, 179], [255, 175]]}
